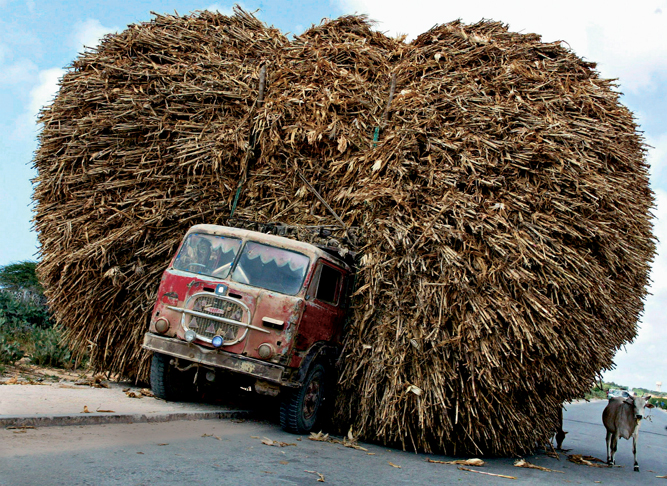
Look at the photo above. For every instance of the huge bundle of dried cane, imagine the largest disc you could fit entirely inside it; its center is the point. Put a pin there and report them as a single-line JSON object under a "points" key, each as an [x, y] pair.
{"points": [[499, 185]]}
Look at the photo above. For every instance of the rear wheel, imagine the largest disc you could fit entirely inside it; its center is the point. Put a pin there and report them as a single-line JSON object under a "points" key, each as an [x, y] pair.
{"points": [[169, 383], [300, 409]]}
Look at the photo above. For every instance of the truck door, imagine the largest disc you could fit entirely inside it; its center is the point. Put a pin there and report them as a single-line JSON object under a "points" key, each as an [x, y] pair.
{"points": [[324, 314]]}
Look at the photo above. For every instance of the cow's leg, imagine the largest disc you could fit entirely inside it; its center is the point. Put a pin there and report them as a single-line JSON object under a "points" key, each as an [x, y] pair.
{"points": [[560, 434], [608, 447], [614, 447], [634, 449]]}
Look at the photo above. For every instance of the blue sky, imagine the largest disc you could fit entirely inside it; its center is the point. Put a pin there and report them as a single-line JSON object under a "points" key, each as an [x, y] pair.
{"points": [[628, 40]]}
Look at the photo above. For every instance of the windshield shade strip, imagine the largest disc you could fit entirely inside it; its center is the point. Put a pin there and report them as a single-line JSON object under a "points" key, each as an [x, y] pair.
{"points": [[216, 318]]}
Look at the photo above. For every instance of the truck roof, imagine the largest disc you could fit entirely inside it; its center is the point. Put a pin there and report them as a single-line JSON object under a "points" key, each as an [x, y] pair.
{"points": [[279, 241]]}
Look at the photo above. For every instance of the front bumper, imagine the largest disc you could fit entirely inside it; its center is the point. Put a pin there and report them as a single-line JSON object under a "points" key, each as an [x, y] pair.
{"points": [[215, 358]]}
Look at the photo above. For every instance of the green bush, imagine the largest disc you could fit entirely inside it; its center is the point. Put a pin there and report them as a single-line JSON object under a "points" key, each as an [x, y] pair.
{"points": [[23, 314], [48, 349], [25, 324], [10, 352], [22, 301]]}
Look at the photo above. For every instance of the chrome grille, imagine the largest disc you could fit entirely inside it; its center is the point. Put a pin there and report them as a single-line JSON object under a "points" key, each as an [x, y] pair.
{"points": [[208, 328]]}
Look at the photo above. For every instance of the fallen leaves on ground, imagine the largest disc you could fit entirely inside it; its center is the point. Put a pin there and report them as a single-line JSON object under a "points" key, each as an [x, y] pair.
{"points": [[586, 460], [276, 443], [349, 441], [144, 392], [393, 465], [211, 435], [461, 462], [96, 381], [85, 409], [25, 373], [526, 464], [320, 478]]}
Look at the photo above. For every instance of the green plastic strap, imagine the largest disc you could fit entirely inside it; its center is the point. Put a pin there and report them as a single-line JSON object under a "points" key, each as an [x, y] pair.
{"points": [[236, 200], [376, 135]]}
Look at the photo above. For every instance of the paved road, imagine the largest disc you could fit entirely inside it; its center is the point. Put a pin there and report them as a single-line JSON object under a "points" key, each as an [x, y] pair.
{"points": [[207, 452]]}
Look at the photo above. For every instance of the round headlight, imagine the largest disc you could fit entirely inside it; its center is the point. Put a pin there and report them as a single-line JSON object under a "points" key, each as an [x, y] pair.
{"points": [[190, 335], [217, 341], [265, 351], [162, 325]]}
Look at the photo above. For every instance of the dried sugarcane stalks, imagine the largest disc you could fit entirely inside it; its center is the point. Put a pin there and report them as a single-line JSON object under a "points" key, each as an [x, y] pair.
{"points": [[504, 212]]}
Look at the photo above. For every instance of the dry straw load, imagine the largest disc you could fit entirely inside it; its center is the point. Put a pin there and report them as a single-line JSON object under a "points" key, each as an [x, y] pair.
{"points": [[503, 208]]}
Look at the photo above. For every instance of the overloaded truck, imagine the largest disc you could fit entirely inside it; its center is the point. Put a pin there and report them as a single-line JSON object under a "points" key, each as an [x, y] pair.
{"points": [[245, 308]]}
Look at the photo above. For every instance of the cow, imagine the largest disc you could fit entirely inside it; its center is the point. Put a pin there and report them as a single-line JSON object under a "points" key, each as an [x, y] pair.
{"points": [[621, 418]]}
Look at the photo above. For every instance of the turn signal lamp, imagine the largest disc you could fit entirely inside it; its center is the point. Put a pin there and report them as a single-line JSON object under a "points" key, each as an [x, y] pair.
{"points": [[190, 335], [162, 325], [265, 351]]}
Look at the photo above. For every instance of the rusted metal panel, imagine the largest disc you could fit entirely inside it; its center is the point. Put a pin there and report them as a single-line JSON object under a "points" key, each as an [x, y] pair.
{"points": [[215, 358]]}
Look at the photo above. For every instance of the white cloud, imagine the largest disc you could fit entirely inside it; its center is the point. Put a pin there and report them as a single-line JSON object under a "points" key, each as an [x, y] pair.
{"points": [[45, 91], [89, 33], [41, 95], [627, 39]]}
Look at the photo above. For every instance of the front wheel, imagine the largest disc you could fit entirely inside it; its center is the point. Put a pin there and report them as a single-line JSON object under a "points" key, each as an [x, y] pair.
{"points": [[169, 383], [299, 409]]}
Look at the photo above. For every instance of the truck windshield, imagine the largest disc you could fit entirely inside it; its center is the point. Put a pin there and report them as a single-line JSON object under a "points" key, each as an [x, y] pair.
{"points": [[208, 254], [271, 268]]}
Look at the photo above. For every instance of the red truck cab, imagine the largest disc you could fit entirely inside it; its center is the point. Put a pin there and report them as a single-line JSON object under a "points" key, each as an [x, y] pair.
{"points": [[268, 309]]}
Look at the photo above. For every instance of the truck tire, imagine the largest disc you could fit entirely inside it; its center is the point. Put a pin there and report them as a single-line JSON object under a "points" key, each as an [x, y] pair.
{"points": [[300, 408], [169, 383]]}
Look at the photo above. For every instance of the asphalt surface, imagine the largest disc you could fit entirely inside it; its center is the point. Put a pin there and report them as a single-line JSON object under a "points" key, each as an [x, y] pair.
{"points": [[237, 451]]}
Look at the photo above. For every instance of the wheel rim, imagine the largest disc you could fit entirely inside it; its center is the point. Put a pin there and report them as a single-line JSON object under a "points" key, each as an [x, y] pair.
{"points": [[311, 399]]}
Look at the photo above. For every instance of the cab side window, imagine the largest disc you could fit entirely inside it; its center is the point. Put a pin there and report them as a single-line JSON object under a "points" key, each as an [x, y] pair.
{"points": [[328, 289]]}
